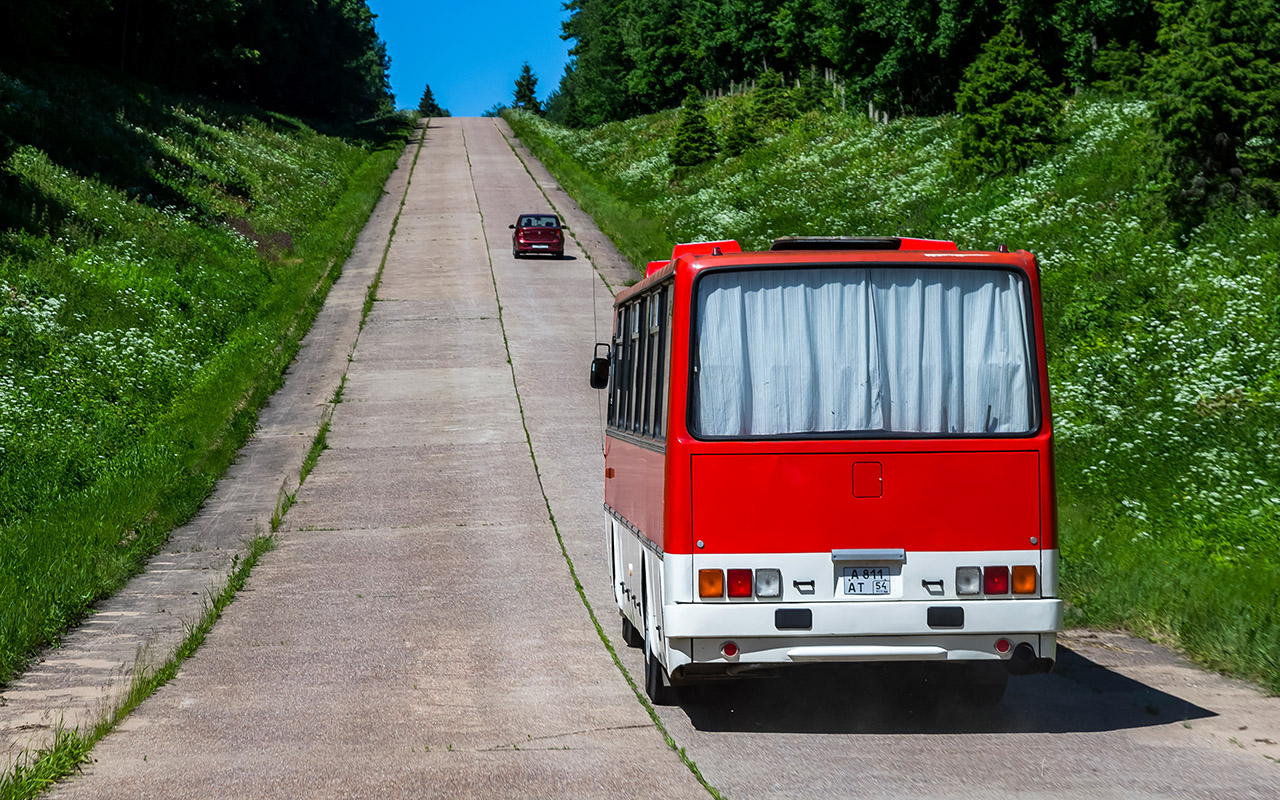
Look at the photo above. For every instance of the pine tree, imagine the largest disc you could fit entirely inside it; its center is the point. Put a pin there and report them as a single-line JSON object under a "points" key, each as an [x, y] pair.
{"points": [[771, 98], [740, 133], [428, 107], [694, 141], [813, 93], [1009, 112], [1216, 96], [526, 94]]}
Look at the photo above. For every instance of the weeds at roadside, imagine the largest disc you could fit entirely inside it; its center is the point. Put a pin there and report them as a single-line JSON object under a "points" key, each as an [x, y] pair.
{"points": [[319, 444]]}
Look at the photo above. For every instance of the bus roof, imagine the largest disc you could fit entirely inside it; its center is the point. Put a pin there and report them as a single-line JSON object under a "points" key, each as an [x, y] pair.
{"points": [[804, 251]]}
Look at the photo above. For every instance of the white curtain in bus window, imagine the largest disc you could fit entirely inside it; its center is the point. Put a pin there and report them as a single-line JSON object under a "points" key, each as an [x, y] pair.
{"points": [[898, 350]]}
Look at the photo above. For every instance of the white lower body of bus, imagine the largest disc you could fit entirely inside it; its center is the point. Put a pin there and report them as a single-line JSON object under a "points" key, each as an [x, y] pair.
{"points": [[909, 611]]}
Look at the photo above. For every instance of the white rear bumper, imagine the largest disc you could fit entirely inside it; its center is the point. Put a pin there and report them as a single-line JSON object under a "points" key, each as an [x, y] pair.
{"points": [[728, 620]]}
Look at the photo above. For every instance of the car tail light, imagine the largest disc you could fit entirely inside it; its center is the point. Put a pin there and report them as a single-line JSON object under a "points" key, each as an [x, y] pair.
{"points": [[710, 583], [768, 583], [739, 583], [1024, 580], [968, 580], [995, 580]]}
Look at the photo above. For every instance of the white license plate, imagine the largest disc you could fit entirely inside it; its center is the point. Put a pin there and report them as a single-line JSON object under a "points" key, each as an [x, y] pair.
{"points": [[541, 246], [866, 580]]}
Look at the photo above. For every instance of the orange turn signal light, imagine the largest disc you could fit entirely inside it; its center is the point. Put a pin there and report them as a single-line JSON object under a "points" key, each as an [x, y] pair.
{"points": [[710, 583], [1024, 580]]}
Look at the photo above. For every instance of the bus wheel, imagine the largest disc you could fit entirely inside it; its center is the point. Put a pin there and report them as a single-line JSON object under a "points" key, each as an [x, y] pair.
{"points": [[630, 636], [653, 684]]}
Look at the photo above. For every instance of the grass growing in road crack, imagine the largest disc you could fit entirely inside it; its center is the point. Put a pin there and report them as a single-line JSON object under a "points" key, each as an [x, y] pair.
{"points": [[372, 294], [33, 773], [318, 445], [564, 551]]}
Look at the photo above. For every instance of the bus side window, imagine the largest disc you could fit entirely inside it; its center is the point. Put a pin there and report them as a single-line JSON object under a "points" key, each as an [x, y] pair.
{"points": [[624, 371], [615, 372], [664, 396], [657, 378], [636, 404], [641, 369], [650, 359]]}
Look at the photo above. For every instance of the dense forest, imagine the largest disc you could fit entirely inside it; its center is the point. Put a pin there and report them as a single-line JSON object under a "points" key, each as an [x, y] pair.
{"points": [[314, 58], [902, 56], [1211, 68]]}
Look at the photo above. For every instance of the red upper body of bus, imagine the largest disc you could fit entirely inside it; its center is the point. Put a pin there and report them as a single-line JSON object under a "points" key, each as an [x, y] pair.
{"points": [[687, 492]]}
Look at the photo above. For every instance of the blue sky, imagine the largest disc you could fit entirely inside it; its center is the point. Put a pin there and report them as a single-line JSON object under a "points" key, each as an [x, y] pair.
{"points": [[470, 52]]}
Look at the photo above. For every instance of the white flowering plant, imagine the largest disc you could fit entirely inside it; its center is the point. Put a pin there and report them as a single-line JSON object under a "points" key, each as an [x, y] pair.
{"points": [[1163, 346], [159, 260]]}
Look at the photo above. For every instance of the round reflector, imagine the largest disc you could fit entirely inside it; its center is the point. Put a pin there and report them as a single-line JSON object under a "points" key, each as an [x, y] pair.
{"points": [[728, 649], [1003, 646]]}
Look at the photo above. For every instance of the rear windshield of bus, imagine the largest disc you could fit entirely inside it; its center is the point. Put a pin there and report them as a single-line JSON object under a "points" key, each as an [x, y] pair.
{"points": [[830, 351]]}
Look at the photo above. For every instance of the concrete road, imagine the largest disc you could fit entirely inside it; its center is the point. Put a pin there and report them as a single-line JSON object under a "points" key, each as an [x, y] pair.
{"points": [[417, 632]]}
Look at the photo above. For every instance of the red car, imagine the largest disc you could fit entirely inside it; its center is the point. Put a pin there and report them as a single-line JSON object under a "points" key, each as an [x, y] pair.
{"points": [[537, 233]]}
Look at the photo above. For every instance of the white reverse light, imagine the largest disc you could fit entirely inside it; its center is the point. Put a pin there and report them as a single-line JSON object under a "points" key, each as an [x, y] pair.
{"points": [[768, 583], [968, 580]]}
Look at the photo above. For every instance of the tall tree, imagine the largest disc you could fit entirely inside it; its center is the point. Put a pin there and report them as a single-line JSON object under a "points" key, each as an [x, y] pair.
{"points": [[666, 44], [595, 82], [1217, 100], [428, 107], [526, 92], [1008, 109], [1067, 35], [694, 141], [798, 28], [746, 44], [908, 56]]}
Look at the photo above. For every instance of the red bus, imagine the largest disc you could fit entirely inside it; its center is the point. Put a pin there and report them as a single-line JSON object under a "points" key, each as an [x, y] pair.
{"points": [[837, 450]]}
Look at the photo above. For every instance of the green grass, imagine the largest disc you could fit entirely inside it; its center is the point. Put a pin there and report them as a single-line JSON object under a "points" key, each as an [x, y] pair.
{"points": [[1163, 347], [160, 260], [634, 231]]}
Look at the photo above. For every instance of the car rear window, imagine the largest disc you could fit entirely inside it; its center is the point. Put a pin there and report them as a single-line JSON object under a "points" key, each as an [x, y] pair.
{"points": [[540, 221]]}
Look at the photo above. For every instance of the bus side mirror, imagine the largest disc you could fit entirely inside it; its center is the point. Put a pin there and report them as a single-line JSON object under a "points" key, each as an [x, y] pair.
{"points": [[600, 368]]}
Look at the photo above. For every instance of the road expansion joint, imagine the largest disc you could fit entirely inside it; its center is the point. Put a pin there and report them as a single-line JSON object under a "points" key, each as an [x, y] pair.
{"points": [[581, 245], [564, 551]]}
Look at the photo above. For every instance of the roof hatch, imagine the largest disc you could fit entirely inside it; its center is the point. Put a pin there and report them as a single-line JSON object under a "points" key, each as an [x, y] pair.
{"points": [[859, 243]]}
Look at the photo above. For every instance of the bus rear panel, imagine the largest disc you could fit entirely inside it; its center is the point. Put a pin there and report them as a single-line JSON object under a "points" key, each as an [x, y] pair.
{"points": [[833, 455]]}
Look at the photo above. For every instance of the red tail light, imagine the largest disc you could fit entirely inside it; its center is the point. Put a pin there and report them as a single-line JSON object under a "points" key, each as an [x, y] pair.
{"points": [[739, 583], [995, 580]]}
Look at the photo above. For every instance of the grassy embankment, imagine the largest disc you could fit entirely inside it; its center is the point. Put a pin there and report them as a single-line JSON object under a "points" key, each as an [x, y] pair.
{"points": [[1164, 353], [161, 257]]}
